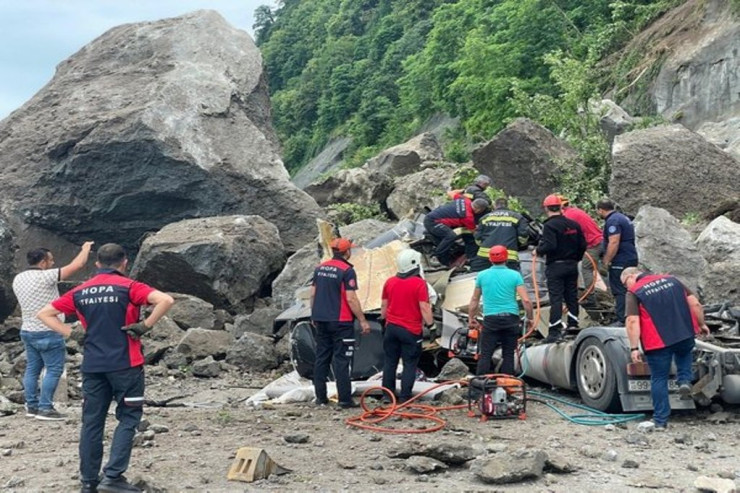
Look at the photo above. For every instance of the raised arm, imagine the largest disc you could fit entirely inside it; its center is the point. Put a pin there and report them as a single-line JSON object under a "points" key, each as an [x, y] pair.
{"points": [[78, 262]]}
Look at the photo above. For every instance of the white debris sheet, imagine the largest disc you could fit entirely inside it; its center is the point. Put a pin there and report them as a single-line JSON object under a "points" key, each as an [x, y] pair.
{"points": [[294, 388]]}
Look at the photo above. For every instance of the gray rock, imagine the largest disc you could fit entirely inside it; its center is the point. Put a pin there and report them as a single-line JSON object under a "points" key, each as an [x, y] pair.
{"points": [[630, 464], [724, 134], [715, 485], [172, 115], [636, 438], [524, 160], [670, 167], [328, 160], [664, 246], [7, 272], [613, 119], [357, 185], [190, 312], [645, 427], [257, 322], [10, 330], [407, 158], [558, 465], [453, 396], [589, 451], [454, 369], [720, 245], [254, 352], [296, 438], [423, 465], [225, 261], [718, 283], [508, 469], [158, 428], [164, 335], [200, 343], [610, 455], [414, 192], [450, 453], [207, 367]]}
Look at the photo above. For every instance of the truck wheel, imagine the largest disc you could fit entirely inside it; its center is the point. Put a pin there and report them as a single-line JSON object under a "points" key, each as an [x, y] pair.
{"points": [[596, 378]]}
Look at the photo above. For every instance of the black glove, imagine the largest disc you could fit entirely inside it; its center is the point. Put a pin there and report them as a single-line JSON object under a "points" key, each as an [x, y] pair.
{"points": [[136, 330]]}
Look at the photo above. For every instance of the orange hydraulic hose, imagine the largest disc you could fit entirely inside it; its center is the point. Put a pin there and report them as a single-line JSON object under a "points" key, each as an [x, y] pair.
{"points": [[536, 300], [371, 418], [591, 288]]}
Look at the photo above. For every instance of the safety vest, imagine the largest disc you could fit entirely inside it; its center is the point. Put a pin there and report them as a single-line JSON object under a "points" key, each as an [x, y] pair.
{"points": [[665, 315]]}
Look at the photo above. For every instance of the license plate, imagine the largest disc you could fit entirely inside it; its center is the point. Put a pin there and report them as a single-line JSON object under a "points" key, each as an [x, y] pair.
{"points": [[644, 385]]}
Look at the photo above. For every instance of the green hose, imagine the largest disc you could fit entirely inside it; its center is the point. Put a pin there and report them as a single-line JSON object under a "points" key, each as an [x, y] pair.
{"points": [[594, 417]]}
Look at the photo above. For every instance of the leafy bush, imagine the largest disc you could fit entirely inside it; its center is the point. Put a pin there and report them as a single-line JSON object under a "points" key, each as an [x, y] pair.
{"points": [[347, 212]]}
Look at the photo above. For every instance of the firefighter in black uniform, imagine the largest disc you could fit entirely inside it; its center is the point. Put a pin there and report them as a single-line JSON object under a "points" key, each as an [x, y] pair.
{"points": [[502, 226], [564, 244]]}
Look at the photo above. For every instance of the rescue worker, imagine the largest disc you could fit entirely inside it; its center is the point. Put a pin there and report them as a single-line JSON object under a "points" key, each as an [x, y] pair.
{"points": [[405, 307], [501, 226], [664, 316], [334, 307], [499, 287], [619, 250], [475, 191], [594, 237], [439, 223], [563, 244]]}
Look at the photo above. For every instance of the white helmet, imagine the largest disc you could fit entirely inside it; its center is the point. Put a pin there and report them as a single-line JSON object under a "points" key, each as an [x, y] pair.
{"points": [[408, 260]]}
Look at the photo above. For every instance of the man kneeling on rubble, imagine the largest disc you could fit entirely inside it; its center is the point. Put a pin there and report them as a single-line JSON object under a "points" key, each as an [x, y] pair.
{"points": [[460, 213], [664, 316]]}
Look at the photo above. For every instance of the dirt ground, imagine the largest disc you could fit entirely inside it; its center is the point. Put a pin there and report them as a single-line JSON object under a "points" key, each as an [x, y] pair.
{"points": [[194, 446]]}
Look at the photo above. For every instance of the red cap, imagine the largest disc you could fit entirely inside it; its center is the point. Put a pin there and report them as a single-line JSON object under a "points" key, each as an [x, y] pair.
{"points": [[341, 245], [551, 200], [498, 254]]}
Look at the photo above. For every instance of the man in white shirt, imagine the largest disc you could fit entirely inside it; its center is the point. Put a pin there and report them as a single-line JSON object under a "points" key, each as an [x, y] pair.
{"points": [[35, 288]]}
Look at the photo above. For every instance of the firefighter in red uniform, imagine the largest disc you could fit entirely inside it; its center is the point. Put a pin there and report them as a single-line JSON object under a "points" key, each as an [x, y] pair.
{"points": [[334, 307], [664, 316], [460, 213], [594, 237], [405, 308], [112, 364]]}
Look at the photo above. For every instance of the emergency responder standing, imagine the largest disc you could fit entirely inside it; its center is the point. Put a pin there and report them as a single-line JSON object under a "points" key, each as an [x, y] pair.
{"points": [[460, 213], [619, 250], [405, 307], [664, 316], [334, 307], [501, 226], [594, 237], [564, 244], [499, 287]]}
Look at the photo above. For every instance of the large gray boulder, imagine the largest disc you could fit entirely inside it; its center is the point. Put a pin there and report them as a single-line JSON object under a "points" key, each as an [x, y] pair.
{"points": [[724, 134], [613, 120], [720, 244], [164, 335], [299, 267], [254, 352], [189, 312], [357, 185], [149, 124], [664, 246], [226, 261], [426, 188], [525, 160], [7, 272], [408, 157], [671, 167], [200, 343]]}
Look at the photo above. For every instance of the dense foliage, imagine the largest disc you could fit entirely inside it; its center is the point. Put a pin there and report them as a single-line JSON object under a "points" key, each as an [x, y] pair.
{"points": [[377, 69]]}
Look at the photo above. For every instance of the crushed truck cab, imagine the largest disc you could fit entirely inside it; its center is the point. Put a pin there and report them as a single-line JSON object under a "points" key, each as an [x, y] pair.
{"points": [[595, 362]]}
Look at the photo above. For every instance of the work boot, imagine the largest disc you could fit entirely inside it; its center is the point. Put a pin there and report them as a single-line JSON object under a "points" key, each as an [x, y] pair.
{"points": [[349, 405], [554, 335], [117, 485], [89, 487], [684, 391]]}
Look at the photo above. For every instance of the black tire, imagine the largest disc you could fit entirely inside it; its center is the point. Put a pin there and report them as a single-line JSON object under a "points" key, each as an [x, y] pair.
{"points": [[596, 377]]}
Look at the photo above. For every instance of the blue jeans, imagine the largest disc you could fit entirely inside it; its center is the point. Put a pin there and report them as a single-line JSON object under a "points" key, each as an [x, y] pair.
{"points": [[659, 362], [43, 349], [126, 387]]}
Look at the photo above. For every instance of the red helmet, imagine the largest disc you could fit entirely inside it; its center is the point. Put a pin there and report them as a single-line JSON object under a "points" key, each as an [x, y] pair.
{"points": [[551, 200], [498, 254], [341, 245]]}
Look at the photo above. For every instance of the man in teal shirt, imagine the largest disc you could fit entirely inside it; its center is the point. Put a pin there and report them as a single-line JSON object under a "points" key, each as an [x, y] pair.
{"points": [[499, 287]]}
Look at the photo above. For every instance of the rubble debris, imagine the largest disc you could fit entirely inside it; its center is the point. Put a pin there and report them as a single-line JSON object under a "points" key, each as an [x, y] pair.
{"points": [[509, 469], [251, 464], [422, 465], [715, 485]]}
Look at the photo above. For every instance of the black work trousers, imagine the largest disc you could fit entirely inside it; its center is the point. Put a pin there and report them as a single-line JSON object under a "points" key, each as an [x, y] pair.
{"points": [[399, 343], [126, 387], [562, 285], [443, 236], [498, 329], [335, 346]]}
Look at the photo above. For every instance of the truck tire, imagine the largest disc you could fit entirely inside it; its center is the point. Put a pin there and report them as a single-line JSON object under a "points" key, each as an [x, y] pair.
{"points": [[596, 377]]}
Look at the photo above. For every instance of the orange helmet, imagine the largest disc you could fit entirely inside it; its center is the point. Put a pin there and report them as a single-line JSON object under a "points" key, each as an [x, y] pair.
{"points": [[552, 200], [498, 254], [341, 245]]}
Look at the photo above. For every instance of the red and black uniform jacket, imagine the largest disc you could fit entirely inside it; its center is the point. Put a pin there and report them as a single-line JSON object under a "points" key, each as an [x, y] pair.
{"points": [[332, 279], [665, 315], [104, 304], [456, 214]]}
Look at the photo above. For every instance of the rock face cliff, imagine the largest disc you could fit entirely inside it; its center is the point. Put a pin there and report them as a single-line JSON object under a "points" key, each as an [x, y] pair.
{"points": [[149, 124]]}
